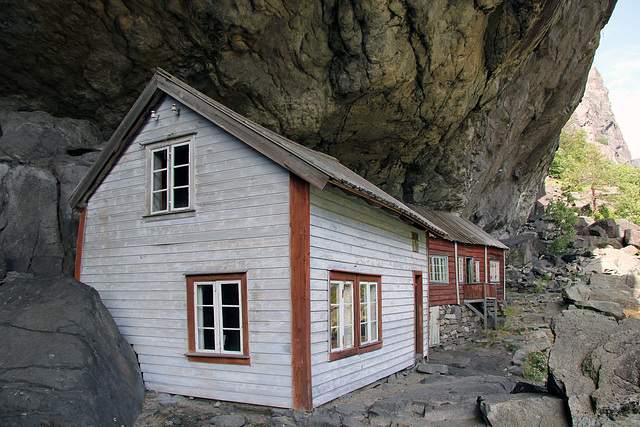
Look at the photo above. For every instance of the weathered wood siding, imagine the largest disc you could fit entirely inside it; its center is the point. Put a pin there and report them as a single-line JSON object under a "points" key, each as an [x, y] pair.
{"points": [[241, 224], [497, 255], [473, 290], [443, 294], [349, 235]]}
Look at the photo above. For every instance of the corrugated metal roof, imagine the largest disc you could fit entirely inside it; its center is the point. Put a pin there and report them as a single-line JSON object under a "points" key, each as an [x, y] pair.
{"points": [[459, 229], [312, 166]]}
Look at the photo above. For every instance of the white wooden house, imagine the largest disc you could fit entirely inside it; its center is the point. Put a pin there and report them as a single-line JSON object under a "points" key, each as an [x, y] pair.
{"points": [[244, 267]]}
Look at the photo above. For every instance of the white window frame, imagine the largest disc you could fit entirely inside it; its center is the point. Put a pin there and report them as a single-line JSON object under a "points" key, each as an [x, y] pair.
{"points": [[477, 277], [351, 315], [461, 270], [439, 269], [368, 312], [169, 147], [218, 310], [198, 352], [494, 271], [344, 309]]}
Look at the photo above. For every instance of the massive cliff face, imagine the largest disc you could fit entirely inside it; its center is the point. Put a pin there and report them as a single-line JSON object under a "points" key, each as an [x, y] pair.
{"points": [[456, 105], [595, 117]]}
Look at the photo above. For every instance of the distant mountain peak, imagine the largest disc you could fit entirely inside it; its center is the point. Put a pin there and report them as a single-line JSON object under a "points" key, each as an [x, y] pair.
{"points": [[595, 116]]}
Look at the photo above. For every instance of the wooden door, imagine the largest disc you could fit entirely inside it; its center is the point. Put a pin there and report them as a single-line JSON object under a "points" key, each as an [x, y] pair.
{"points": [[434, 326], [418, 314]]}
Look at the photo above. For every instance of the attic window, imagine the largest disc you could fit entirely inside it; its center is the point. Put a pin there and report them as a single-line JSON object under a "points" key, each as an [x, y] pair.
{"points": [[170, 176]]}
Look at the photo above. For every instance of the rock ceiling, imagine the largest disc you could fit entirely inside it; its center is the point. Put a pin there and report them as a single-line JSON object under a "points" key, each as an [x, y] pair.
{"points": [[456, 105]]}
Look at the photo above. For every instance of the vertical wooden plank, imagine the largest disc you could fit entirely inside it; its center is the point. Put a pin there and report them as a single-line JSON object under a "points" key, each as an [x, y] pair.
{"points": [[299, 208], [504, 275], [79, 243], [455, 257]]}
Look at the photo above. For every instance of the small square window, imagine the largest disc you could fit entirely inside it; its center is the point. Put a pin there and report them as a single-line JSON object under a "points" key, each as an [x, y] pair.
{"points": [[217, 318], [170, 176], [439, 269]]}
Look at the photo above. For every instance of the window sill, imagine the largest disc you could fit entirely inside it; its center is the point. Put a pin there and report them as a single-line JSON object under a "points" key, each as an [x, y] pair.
{"points": [[355, 350], [218, 358], [169, 215]]}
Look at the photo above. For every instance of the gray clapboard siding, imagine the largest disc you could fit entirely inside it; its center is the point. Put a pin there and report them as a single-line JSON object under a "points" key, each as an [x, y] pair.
{"points": [[248, 395], [241, 223], [347, 234]]}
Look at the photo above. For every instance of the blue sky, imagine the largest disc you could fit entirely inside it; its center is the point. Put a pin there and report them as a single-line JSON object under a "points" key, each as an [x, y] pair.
{"points": [[618, 60]]}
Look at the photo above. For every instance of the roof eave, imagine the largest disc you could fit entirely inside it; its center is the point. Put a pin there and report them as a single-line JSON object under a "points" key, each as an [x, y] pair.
{"points": [[411, 216], [117, 143]]}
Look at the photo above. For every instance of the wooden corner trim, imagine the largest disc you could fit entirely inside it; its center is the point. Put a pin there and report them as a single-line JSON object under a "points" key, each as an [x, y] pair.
{"points": [[79, 244], [300, 247]]}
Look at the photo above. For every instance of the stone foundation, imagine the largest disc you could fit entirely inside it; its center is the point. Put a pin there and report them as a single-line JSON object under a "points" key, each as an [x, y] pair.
{"points": [[458, 324]]}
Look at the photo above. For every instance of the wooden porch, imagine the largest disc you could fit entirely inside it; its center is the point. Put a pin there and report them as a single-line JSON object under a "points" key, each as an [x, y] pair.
{"points": [[482, 299]]}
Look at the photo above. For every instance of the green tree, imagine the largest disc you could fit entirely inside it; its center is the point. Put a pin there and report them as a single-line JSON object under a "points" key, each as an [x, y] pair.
{"points": [[580, 166], [580, 163], [565, 217]]}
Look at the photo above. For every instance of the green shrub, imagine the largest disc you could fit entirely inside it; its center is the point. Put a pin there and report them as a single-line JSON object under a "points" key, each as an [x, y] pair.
{"points": [[565, 218], [536, 366]]}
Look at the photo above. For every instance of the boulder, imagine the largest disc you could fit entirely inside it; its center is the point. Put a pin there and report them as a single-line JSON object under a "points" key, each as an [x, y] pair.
{"points": [[594, 365], [615, 370], [632, 237], [29, 216], [523, 248], [433, 368], [62, 359], [612, 261], [523, 409], [47, 156], [27, 136], [623, 290], [607, 226]]}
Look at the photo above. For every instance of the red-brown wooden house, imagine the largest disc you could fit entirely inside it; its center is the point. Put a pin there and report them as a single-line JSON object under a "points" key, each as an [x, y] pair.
{"points": [[466, 268]]}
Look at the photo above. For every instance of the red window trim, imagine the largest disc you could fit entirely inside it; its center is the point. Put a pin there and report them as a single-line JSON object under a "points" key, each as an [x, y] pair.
{"points": [[357, 348], [192, 354]]}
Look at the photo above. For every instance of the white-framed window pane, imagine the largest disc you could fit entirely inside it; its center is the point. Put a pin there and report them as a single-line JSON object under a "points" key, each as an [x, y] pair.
{"points": [[219, 317], [205, 313], [341, 314], [494, 271], [180, 174], [368, 312], [438, 268], [477, 274], [171, 177], [347, 314]]}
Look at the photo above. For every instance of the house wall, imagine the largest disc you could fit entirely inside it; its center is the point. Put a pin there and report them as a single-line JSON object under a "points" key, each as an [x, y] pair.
{"points": [[347, 234], [241, 224], [441, 294], [497, 254], [477, 253]]}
